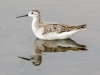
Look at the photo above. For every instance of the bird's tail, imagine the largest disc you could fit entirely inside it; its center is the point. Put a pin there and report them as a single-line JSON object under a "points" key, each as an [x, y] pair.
{"points": [[81, 26]]}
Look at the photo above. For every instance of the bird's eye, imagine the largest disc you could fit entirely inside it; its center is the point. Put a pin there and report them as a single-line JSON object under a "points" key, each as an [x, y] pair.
{"points": [[32, 13]]}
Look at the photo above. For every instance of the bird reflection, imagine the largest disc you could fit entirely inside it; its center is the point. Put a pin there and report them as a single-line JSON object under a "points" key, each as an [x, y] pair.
{"points": [[40, 46]]}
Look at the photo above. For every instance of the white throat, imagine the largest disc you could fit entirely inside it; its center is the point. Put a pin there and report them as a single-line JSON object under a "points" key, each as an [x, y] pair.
{"points": [[35, 25]]}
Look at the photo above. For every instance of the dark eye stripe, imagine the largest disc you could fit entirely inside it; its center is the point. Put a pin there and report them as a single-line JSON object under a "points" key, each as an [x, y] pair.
{"points": [[32, 13]]}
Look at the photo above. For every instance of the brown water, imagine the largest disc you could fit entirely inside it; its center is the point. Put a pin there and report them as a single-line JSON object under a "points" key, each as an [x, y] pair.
{"points": [[70, 57]]}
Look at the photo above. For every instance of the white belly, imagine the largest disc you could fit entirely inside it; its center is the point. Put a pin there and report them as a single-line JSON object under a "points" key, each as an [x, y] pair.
{"points": [[54, 35]]}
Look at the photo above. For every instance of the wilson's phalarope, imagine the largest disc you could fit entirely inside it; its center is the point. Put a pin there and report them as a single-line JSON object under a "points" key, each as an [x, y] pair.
{"points": [[50, 30]]}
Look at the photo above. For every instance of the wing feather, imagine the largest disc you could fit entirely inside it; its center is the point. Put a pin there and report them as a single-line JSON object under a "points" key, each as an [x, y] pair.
{"points": [[59, 28]]}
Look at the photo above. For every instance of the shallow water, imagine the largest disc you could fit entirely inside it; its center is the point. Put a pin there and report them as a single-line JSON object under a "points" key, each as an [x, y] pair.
{"points": [[53, 57]]}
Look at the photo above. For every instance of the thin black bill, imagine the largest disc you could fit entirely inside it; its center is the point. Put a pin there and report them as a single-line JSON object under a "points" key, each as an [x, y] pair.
{"points": [[22, 16]]}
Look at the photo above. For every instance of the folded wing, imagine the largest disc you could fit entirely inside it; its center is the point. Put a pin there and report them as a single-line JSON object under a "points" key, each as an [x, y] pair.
{"points": [[60, 28]]}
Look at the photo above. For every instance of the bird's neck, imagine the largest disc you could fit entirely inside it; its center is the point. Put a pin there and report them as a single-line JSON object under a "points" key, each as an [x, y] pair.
{"points": [[35, 24], [36, 21]]}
